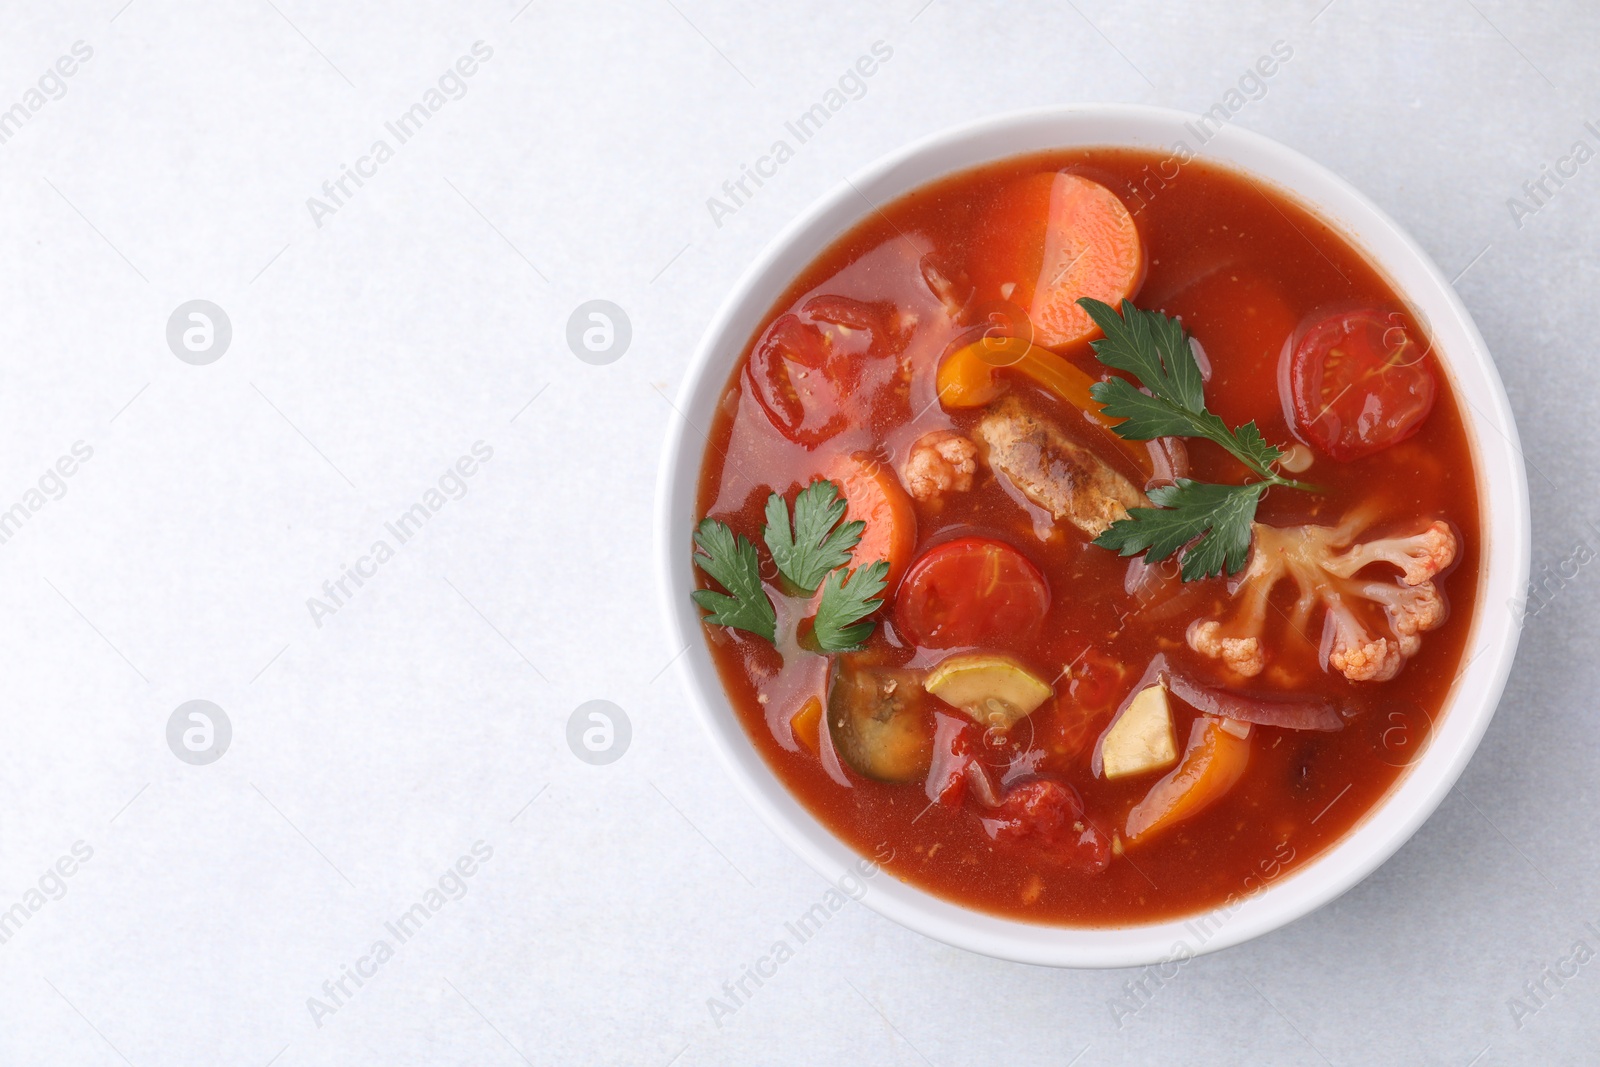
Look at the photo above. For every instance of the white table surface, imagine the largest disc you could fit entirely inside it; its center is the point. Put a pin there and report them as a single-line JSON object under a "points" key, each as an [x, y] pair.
{"points": [[427, 313]]}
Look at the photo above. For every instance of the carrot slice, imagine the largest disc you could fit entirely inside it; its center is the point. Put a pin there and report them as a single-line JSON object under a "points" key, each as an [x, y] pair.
{"points": [[1218, 752], [873, 494], [807, 723], [1051, 238]]}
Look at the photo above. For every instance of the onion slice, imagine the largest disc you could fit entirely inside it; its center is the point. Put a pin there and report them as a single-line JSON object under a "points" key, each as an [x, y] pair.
{"points": [[1287, 714]]}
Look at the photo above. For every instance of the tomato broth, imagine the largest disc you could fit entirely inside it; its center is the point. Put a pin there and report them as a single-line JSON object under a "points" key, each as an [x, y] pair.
{"points": [[1255, 280]]}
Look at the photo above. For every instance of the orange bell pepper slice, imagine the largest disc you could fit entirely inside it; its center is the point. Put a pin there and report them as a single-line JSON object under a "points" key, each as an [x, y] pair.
{"points": [[807, 724], [968, 378], [1216, 758]]}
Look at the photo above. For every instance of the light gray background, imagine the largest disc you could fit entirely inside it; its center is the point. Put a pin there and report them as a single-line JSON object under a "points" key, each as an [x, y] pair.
{"points": [[429, 313]]}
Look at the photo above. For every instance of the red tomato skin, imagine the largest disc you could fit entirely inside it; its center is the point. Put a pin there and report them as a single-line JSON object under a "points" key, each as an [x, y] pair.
{"points": [[1096, 680], [1048, 813], [953, 741], [877, 319], [970, 591], [1356, 383]]}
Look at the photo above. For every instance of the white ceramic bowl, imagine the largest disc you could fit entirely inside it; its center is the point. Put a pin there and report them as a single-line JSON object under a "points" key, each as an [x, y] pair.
{"points": [[1503, 490]]}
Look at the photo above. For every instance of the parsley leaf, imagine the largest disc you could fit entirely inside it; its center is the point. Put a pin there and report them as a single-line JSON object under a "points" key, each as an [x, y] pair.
{"points": [[1209, 525], [1151, 347], [733, 563], [1219, 516], [812, 550], [1155, 349], [846, 600], [817, 543], [1260, 455]]}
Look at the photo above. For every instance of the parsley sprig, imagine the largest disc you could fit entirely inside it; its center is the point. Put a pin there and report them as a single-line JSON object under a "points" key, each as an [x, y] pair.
{"points": [[811, 550], [732, 562], [1212, 520], [816, 544], [846, 601]]}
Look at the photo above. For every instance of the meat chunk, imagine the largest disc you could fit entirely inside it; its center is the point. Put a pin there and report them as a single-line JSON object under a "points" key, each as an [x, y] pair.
{"points": [[1055, 472], [940, 462]]}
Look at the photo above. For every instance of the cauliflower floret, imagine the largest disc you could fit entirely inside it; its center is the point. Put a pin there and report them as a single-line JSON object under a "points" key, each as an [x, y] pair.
{"points": [[1419, 557], [1243, 655], [1355, 653], [1411, 609], [1322, 562], [940, 462]]}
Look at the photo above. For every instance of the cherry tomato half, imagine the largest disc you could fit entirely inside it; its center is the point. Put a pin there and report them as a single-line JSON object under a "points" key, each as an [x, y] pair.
{"points": [[786, 378], [809, 371], [1359, 382], [970, 591]]}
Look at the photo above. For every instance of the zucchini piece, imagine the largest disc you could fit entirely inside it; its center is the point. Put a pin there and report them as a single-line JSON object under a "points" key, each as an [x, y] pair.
{"points": [[1140, 740], [995, 691]]}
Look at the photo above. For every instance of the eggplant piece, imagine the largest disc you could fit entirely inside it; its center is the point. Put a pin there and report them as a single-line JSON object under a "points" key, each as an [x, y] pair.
{"points": [[879, 721]]}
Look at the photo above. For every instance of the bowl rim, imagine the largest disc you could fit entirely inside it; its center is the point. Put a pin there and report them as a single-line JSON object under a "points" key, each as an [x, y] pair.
{"points": [[1503, 501]]}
